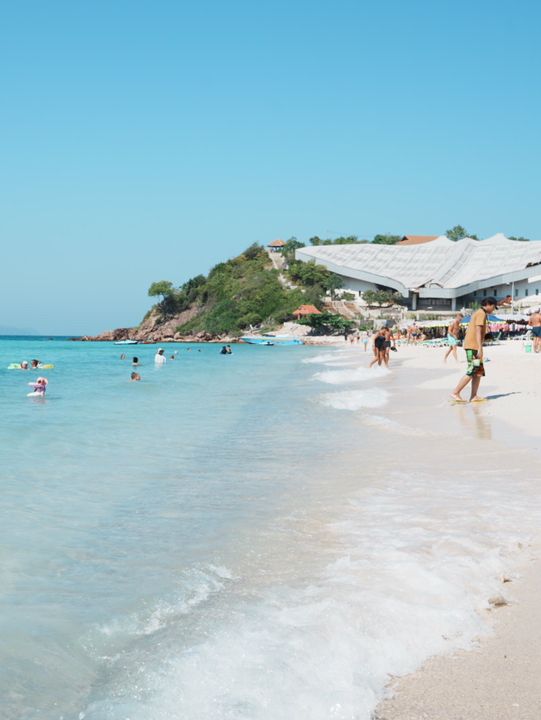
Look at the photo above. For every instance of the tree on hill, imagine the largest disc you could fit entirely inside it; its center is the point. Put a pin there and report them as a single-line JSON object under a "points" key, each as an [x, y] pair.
{"points": [[309, 274], [328, 323], [342, 240], [381, 298], [458, 232], [386, 239], [519, 239], [288, 251], [165, 290]]}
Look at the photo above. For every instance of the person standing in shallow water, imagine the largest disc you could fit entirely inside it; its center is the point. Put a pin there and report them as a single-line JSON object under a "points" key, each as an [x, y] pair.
{"points": [[473, 345], [379, 349], [453, 336]]}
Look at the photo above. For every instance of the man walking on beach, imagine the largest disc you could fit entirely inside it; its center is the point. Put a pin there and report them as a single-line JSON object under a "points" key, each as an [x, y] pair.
{"points": [[453, 336], [473, 345]]}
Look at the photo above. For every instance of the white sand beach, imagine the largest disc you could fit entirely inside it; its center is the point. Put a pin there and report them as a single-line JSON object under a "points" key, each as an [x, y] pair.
{"points": [[497, 679]]}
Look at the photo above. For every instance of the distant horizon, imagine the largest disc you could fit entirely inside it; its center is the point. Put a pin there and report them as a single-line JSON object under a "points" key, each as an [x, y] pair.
{"points": [[7, 331]]}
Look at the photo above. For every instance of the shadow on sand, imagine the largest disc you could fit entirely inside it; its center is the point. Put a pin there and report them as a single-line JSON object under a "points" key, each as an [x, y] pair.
{"points": [[502, 395]]}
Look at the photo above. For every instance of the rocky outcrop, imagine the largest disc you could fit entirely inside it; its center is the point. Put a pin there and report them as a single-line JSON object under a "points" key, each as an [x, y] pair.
{"points": [[154, 330]]}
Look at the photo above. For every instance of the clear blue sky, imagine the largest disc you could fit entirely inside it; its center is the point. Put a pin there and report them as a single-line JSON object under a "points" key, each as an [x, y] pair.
{"points": [[150, 140]]}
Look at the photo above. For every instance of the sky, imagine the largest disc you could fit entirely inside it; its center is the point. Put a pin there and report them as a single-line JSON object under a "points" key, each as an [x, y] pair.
{"points": [[143, 141]]}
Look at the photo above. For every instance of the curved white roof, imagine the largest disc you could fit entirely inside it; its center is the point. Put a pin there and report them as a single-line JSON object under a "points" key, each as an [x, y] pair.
{"points": [[441, 263]]}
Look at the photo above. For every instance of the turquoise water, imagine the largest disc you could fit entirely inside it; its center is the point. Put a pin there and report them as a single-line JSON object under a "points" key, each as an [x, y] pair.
{"points": [[229, 538]]}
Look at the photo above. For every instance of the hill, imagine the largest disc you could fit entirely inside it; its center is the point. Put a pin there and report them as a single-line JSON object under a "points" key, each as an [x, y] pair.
{"points": [[247, 292]]}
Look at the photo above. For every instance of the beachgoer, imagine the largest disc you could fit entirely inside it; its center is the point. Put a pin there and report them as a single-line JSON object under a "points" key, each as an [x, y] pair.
{"points": [[379, 348], [40, 386], [535, 322], [389, 343], [364, 336], [453, 337], [135, 361], [223, 351], [24, 365], [473, 345], [135, 376], [229, 350], [35, 364], [160, 358]]}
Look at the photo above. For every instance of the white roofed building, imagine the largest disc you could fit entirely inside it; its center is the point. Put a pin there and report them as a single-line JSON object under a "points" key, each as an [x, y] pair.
{"points": [[440, 274]]}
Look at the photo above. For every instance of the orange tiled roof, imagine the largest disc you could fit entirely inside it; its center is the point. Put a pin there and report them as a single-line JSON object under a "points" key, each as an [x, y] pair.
{"points": [[276, 243], [416, 239], [306, 310]]}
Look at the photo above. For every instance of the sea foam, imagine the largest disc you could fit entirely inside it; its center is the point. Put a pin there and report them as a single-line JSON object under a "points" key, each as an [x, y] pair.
{"points": [[355, 375], [356, 399], [408, 566]]}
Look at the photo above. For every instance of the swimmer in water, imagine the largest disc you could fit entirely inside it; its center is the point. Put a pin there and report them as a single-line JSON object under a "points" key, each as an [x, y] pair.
{"points": [[135, 377], [40, 387], [135, 361], [35, 364]]}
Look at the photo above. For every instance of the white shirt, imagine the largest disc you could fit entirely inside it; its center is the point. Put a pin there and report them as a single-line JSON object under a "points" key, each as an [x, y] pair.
{"points": [[160, 359]]}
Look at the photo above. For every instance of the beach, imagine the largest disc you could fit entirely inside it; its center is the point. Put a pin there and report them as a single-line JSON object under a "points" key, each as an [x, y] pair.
{"points": [[498, 677], [280, 532]]}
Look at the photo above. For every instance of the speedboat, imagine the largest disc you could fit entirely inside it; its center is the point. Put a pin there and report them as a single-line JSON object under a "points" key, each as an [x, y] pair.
{"points": [[126, 342]]}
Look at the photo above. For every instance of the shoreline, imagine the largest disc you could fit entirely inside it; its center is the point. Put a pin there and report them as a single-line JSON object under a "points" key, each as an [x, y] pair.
{"points": [[495, 678]]}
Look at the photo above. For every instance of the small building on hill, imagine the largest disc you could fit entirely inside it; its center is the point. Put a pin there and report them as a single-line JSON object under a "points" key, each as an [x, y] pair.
{"points": [[305, 310], [276, 246]]}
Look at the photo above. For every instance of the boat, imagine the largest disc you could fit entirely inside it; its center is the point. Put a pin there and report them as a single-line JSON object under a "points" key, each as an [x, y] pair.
{"points": [[126, 342], [271, 340]]}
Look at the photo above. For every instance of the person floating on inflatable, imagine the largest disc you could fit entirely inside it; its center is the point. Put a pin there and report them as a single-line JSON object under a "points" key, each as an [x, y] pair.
{"points": [[40, 387]]}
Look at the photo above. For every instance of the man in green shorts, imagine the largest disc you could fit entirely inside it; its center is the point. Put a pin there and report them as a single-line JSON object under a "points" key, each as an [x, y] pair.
{"points": [[473, 345]]}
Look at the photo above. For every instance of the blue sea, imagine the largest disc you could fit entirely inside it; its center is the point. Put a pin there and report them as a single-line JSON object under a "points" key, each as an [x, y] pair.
{"points": [[242, 537]]}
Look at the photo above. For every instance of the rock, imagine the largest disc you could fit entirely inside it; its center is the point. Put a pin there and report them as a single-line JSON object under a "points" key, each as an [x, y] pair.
{"points": [[497, 601]]}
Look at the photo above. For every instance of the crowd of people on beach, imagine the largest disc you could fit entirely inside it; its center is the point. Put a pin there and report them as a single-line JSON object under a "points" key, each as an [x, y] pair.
{"points": [[470, 333]]}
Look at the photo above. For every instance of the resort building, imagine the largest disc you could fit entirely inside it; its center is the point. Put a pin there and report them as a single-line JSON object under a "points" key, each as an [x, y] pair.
{"points": [[437, 273]]}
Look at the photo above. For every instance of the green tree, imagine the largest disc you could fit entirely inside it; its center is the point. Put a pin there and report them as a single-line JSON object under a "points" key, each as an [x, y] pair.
{"points": [[386, 239], [380, 297], [458, 233], [333, 283], [328, 323], [253, 251], [162, 287], [519, 239], [289, 248]]}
